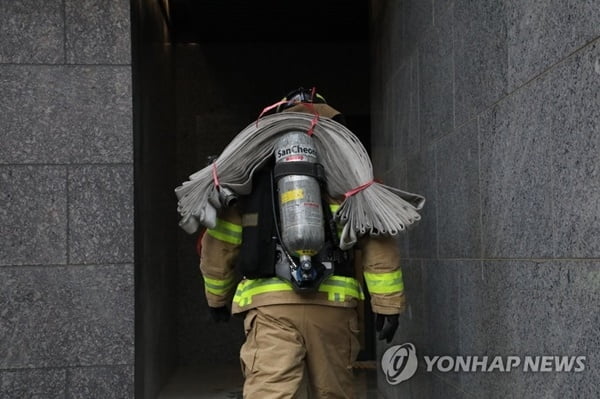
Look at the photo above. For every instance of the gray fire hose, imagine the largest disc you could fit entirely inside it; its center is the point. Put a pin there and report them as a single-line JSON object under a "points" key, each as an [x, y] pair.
{"points": [[374, 209]]}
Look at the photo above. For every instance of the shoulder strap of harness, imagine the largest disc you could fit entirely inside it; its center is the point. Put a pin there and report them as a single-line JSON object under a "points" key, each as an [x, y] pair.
{"points": [[257, 254]]}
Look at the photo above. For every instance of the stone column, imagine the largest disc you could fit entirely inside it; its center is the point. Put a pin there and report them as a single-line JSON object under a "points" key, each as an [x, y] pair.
{"points": [[66, 199]]}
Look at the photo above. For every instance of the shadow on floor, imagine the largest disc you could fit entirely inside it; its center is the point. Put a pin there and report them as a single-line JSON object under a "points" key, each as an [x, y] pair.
{"points": [[225, 382]]}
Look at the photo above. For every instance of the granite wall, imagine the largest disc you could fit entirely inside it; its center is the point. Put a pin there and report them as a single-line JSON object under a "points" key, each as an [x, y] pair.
{"points": [[491, 109], [66, 200]]}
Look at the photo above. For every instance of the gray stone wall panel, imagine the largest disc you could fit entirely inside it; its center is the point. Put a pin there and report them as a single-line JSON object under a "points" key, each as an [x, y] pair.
{"points": [[101, 214], [382, 158], [458, 190], [114, 382], [542, 309], [524, 80], [414, 283], [442, 325], [33, 215], [516, 181], [441, 283], [98, 31], [31, 31], [417, 19], [436, 66], [540, 33], [442, 386], [539, 166], [66, 316], [423, 238], [41, 383], [405, 95], [396, 33], [480, 54], [576, 145], [65, 114]]}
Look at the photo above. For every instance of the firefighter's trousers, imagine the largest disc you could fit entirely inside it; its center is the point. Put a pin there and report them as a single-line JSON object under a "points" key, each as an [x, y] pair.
{"points": [[283, 342]]}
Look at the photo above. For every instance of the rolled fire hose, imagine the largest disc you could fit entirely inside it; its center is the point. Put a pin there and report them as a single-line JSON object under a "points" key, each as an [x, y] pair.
{"points": [[368, 207]]}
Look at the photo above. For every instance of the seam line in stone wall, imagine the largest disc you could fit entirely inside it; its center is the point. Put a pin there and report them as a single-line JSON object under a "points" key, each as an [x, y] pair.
{"points": [[479, 186], [74, 266], [68, 214], [437, 196], [66, 367], [98, 65], [16, 164], [554, 229], [417, 89], [494, 104], [508, 259], [45, 64], [549, 68], [67, 382], [453, 58], [64, 16]]}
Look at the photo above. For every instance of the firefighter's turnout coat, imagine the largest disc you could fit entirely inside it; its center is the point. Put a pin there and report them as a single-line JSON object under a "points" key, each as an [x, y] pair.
{"points": [[379, 267]]}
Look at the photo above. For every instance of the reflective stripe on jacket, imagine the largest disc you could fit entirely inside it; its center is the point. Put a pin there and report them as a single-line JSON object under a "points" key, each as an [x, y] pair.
{"points": [[337, 288], [380, 267], [384, 283], [226, 231]]}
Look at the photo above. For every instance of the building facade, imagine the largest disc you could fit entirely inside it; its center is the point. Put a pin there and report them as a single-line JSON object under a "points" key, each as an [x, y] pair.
{"points": [[489, 109]]}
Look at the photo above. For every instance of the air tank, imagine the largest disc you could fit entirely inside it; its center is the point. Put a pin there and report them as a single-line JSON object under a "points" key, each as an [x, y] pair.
{"points": [[301, 212]]}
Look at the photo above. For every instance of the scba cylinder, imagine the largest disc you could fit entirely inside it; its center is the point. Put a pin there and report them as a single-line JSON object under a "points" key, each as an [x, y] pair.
{"points": [[301, 212]]}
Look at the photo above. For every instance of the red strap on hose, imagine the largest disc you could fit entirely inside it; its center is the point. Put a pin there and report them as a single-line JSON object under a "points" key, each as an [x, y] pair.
{"points": [[310, 106], [214, 174], [270, 107], [358, 189], [315, 120]]}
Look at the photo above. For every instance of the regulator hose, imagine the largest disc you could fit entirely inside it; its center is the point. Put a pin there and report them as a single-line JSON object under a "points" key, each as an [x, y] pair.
{"points": [[368, 207]]}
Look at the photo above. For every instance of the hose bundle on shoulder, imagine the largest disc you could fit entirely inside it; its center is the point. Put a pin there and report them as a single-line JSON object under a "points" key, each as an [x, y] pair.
{"points": [[368, 207]]}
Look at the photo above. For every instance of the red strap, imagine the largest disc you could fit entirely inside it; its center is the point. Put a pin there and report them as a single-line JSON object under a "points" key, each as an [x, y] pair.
{"points": [[270, 107], [310, 106], [214, 174], [358, 189]]}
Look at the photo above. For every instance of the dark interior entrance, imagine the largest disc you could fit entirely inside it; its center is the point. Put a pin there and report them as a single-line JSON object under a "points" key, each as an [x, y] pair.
{"points": [[203, 70]]}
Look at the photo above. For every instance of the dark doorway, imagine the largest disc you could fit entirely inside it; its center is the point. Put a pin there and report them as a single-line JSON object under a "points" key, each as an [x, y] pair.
{"points": [[203, 70]]}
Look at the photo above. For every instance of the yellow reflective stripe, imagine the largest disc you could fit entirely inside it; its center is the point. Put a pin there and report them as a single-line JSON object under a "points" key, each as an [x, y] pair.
{"points": [[216, 286], [248, 288], [226, 231], [338, 288], [384, 283]]}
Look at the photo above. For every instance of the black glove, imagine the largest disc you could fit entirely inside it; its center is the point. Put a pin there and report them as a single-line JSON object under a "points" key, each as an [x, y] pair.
{"points": [[386, 325], [221, 314]]}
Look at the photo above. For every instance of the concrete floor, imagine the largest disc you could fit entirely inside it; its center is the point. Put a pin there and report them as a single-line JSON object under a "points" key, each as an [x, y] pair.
{"points": [[224, 382]]}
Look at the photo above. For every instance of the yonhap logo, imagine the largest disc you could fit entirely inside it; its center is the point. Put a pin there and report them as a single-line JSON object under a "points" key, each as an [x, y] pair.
{"points": [[399, 363]]}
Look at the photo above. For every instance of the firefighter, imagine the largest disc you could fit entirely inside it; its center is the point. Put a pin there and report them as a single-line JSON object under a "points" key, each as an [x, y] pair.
{"points": [[295, 331]]}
